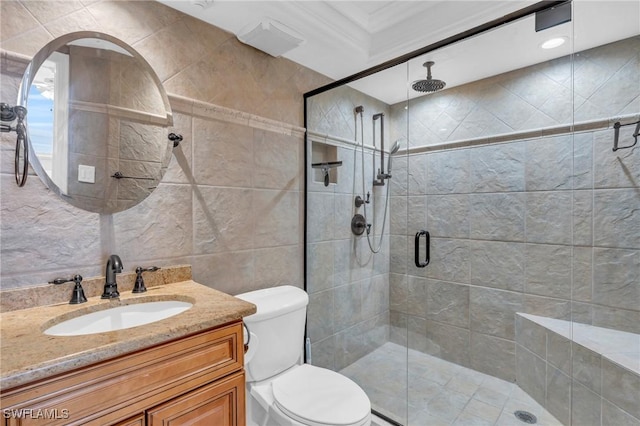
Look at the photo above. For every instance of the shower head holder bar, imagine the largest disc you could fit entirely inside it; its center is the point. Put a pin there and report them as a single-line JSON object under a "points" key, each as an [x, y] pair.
{"points": [[616, 136], [378, 178]]}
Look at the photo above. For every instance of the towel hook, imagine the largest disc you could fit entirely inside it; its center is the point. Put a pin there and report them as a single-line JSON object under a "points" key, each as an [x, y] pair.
{"points": [[175, 138], [9, 113], [635, 135]]}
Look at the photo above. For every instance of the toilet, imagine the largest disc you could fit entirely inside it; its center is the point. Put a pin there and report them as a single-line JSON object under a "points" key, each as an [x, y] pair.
{"points": [[281, 389]]}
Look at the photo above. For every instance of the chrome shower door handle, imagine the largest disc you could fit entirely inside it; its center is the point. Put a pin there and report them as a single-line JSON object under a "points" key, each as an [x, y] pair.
{"points": [[416, 246]]}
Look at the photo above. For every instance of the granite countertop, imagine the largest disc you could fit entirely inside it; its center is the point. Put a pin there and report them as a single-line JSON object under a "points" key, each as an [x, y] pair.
{"points": [[27, 354]]}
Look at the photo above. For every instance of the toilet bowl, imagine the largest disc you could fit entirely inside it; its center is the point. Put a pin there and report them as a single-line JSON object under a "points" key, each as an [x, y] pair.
{"points": [[312, 396], [283, 391]]}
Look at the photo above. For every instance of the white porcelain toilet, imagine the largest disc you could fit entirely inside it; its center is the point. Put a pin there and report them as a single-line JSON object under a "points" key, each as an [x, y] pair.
{"points": [[281, 390]]}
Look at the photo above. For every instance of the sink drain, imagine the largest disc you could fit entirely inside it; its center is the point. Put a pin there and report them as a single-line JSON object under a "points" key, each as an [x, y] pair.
{"points": [[525, 416]]}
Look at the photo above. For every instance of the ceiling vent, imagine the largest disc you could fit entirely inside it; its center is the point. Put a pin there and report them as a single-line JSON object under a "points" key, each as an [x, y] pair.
{"points": [[271, 37]]}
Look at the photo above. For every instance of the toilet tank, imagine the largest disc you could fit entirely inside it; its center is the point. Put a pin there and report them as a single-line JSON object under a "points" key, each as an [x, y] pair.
{"points": [[277, 330]]}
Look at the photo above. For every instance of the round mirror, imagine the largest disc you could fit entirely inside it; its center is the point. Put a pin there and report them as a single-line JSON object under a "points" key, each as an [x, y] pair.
{"points": [[97, 121]]}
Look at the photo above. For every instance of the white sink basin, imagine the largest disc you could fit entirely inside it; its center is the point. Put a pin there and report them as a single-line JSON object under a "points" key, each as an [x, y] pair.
{"points": [[118, 318]]}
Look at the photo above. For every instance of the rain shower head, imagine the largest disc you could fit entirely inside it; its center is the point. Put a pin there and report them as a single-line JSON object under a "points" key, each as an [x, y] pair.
{"points": [[430, 84]]}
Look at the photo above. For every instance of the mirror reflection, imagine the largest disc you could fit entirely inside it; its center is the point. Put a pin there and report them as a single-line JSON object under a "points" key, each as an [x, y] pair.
{"points": [[97, 122]]}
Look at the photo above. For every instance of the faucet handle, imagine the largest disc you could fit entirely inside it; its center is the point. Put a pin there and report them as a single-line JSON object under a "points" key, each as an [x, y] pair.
{"points": [[139, 286], [76, 278], [78, 292], [60, 281]]}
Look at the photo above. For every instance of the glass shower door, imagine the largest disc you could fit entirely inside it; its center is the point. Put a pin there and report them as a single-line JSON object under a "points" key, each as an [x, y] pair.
{"points": [[604, 377], [355, 174], [532, 218]]}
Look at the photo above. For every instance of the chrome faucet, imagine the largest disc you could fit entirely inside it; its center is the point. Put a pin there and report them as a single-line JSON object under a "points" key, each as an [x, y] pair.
{"points": [[114, 266]]}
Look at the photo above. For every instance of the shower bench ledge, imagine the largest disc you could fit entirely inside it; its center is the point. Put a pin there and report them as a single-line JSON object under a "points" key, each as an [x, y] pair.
{"points": [[582, 374], [620, 347]]}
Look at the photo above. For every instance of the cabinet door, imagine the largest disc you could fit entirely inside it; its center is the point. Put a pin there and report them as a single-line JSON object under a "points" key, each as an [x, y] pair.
{"points": [[133, 421], [220, 403]]}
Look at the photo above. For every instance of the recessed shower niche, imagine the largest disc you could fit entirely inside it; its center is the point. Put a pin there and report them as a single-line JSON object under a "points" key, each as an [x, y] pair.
{"points": [[324, 162]]}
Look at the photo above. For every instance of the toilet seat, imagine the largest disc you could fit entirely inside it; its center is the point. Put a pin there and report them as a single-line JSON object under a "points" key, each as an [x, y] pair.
{"points": [[317, 396]]}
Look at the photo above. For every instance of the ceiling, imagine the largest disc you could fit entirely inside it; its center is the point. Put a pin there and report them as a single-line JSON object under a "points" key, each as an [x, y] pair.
{"points": [[343, 37]]}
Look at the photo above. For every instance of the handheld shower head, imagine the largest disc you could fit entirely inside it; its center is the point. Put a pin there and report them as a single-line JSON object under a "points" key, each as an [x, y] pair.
{"points": [[430, 84], [394, 148]]}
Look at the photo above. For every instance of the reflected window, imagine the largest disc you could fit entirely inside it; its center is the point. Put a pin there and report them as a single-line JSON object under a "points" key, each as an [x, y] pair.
{"points": [[48, 117]]}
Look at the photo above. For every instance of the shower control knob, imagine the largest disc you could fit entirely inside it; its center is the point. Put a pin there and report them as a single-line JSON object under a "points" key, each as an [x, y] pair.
{"points": [[358, 224]]}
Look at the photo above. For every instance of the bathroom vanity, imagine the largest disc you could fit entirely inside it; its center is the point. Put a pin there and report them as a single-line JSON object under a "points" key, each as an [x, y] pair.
{"points": [[187, 368]]}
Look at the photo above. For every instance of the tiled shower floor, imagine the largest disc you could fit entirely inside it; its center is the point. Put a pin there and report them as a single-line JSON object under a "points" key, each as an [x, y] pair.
{"points": [[440, 392]]}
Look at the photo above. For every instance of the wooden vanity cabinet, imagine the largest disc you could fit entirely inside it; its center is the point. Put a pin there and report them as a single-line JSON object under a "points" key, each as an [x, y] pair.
{"points": [[198, 380], [138, 420]]}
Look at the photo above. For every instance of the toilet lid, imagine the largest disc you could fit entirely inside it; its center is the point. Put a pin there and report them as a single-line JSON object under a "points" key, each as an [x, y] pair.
{"points": [[318, 396]]}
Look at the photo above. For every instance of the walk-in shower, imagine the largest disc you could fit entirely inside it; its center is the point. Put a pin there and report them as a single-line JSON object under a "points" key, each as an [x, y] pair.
{"points": [[534, 269]]}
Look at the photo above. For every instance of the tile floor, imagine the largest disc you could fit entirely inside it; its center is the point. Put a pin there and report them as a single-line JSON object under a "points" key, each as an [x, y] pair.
{"points": [[440, 392]]}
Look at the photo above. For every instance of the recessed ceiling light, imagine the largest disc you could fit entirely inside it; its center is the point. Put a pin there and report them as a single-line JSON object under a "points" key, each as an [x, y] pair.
{"points": [[553, 42]]}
